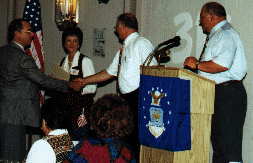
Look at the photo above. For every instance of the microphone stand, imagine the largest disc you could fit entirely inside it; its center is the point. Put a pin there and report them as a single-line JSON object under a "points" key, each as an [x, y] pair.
{"points": [[162, 53]]}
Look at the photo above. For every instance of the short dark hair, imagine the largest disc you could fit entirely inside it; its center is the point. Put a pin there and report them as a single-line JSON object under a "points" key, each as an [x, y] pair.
{"points": [[215, 8], [111, 117], [56, 113], [15, 25], [129, 20], [72, 31]]}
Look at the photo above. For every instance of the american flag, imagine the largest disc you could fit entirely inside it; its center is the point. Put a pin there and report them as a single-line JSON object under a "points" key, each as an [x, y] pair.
{"points": [[32, 13], [82, 120]]}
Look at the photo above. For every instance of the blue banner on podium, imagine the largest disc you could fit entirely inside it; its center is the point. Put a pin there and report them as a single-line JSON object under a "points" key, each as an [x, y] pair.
{"points": [[164, 113]]}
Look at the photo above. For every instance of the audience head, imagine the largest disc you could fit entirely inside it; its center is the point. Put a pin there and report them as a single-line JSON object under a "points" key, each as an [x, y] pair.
{"points": [[111, 117], [55, 115], [72, 32]]}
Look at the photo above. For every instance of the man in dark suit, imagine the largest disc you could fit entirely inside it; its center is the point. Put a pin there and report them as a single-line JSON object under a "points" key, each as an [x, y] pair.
{"points": [[20, 80]]}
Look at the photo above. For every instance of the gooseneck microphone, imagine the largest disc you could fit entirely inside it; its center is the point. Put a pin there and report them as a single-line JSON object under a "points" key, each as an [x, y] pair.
{"points": [[173, 40]]}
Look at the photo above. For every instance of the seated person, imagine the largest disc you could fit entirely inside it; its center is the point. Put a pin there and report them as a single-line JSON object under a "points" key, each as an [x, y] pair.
{"points": [[111, 120], [56, 145]]}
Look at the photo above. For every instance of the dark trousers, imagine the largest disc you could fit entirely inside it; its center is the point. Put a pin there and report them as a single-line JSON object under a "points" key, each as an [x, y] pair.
{"points": [[227, 122], [13, 142], [133, 138]]}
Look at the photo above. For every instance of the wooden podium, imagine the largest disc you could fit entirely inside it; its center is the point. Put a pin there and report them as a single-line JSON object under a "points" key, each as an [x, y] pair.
{"points": [[201, 105]]}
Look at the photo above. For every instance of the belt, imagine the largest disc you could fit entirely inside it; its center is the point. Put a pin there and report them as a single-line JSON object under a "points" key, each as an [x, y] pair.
{"points": [[230, 82]]}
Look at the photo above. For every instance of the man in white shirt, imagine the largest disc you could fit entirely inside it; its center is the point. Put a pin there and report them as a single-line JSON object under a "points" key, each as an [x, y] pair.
{"points": [[127, 68], [224, 62]]}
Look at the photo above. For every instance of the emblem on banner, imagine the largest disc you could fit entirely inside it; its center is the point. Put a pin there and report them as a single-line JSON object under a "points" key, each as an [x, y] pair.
{"points": [[156, 125], [164, 113], [156, 97]]}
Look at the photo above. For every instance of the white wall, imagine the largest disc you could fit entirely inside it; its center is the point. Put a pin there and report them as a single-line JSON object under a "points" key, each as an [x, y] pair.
{"points": [[163, 19]]}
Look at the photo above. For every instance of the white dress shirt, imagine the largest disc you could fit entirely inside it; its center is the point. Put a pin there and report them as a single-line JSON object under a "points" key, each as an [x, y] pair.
{"points": [[225, 49], [41, 151], [87, 68], [135, 51]]}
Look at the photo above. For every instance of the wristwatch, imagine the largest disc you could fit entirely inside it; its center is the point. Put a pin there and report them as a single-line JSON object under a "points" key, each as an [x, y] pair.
{"points": [[197, 65]]}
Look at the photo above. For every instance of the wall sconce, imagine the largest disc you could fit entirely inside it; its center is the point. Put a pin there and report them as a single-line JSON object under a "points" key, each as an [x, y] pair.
{"points": [[66, 13], [103, 1]]}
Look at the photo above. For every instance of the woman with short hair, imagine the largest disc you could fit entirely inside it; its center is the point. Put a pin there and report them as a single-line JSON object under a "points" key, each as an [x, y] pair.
{"points": [[78, 66], [111, 120], [57, 144]]}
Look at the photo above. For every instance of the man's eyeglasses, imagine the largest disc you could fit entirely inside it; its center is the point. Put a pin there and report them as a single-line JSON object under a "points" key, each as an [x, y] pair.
{"points": [[117, 26], [29, 32]]}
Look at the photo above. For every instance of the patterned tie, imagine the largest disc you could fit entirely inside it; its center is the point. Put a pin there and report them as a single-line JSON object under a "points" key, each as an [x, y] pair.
{"points": [[202, 53], [120, 55]]}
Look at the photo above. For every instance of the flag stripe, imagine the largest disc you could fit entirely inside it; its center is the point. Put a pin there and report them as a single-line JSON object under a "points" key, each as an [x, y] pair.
{"points": [[82, 119], [39, 51], [32, 13]]}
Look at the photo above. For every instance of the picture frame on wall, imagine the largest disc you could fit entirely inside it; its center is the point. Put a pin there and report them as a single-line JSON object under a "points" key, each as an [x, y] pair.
{"points": [[99, 42]]}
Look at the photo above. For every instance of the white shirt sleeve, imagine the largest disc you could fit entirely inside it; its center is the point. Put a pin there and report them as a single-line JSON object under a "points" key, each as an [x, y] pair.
{"points": [[224, 51], [88, 69], [144, 49], [113, 68], [41, 152]]}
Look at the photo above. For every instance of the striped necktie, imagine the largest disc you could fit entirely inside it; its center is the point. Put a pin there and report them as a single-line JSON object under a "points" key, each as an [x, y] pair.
{"points": [[202, 53], [120, 55]]}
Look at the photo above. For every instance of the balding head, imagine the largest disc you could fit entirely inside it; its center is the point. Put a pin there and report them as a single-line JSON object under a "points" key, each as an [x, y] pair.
{"points": [[216, 9], [212, 13], [129, 20]]}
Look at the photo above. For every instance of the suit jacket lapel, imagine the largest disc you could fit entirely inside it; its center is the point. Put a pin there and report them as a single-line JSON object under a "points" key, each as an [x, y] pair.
{"points": [[16, 46]]}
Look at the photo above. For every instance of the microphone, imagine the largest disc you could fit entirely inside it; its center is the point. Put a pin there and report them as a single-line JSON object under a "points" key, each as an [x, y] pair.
{"points": [[163, 50], [162, 53], [175, 39]]}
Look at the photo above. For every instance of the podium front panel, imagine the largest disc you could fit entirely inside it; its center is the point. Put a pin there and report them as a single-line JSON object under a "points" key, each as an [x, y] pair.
{"points": [[202, 92], [164, 113]]}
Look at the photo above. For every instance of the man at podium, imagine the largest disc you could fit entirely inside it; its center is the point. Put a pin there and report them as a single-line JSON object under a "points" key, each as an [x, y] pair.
{"points": [[223, 61]]}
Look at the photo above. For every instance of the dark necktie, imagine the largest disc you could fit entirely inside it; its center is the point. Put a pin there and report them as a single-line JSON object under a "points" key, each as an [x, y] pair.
{"points": [[202, 53], [120, 55]]}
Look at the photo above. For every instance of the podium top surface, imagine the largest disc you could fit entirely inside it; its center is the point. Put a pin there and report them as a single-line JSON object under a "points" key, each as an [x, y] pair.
{"points": [[170, 72]]}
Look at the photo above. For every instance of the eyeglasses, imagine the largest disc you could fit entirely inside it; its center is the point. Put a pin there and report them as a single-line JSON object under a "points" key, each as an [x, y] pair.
{"points": [[117, 26], [29, 32]]}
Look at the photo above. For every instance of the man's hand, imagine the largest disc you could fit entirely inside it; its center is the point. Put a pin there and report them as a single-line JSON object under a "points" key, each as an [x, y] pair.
{"points": [[190, 62], [75, 85], [81, 81]]}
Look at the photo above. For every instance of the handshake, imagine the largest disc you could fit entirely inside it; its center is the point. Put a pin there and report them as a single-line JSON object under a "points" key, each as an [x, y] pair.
{"points": [[76, 84]]}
